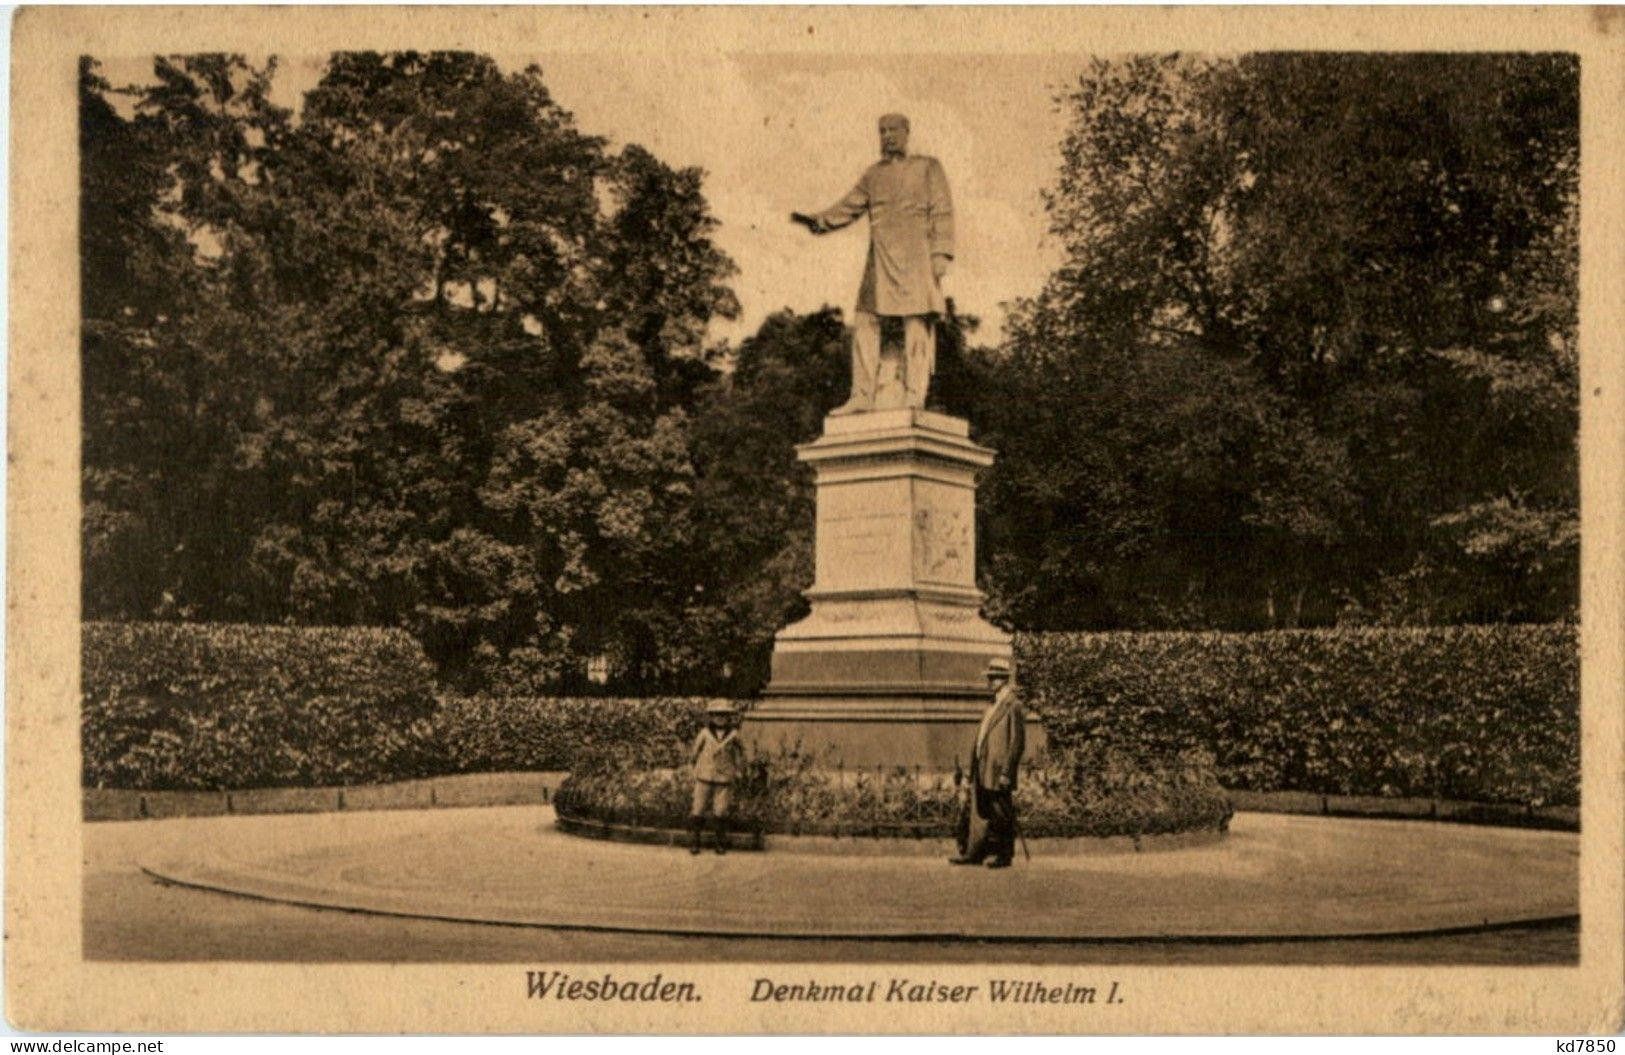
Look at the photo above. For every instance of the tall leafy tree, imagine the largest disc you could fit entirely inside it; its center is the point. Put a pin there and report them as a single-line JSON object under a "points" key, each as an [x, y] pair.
{"points": [[432, 407], [754, 505], [1379, 250], [163, 388], [663, 276]]}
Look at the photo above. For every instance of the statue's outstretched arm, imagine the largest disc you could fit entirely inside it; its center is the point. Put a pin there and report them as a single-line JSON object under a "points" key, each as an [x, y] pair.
{"points": [[843, 212]]}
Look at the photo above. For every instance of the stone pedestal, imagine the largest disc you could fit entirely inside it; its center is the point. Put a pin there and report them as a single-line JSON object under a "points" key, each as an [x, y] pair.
{"points": [[889, 667]]}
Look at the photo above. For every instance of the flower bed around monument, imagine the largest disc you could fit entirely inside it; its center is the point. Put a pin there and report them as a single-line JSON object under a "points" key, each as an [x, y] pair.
{"points": [[1077, 792]]}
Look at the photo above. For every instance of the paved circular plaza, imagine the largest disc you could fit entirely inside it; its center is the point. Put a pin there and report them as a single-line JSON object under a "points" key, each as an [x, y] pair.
{"points": [[1273, 877]]}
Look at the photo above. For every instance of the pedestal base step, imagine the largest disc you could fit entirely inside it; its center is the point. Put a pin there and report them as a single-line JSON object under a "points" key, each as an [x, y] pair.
{"points": [[933, 734]]}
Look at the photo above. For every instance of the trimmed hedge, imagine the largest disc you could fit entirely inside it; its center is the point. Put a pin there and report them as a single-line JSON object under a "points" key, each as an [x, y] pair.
{"points": [[504, 733], [1083, 791], [197, 706], [1479, 713], [1487, 714]]}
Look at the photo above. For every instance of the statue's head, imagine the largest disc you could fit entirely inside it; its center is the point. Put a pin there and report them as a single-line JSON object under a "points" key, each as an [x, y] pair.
{"points": [[893, 135]]}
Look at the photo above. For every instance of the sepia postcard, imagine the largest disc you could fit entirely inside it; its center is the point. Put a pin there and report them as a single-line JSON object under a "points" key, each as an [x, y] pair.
{"points": [[790, 520]]}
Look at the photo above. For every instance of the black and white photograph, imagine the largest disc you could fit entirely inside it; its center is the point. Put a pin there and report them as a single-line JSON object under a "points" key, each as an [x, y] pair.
{"points": [[776, 521]]}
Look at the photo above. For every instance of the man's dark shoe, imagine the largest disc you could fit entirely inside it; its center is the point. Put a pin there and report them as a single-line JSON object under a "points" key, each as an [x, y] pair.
{"points": [[963, 860], [999, 862]]}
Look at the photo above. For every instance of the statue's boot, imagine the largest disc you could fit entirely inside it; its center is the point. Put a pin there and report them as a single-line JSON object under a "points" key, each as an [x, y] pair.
{"points": [[855, 405], [696, 825], [721, 825]]}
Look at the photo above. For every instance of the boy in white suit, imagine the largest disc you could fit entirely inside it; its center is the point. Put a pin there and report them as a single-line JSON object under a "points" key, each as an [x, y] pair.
{"points": [[717, 757]]}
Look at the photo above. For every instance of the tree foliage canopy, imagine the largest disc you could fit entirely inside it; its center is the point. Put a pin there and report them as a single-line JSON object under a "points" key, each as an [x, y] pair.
{"points": [[421, 357], [426, 354], [1311, 354]]}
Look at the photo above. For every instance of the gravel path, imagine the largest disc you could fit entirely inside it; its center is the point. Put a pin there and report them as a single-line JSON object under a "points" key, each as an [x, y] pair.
{"points": [[1273, 874]]}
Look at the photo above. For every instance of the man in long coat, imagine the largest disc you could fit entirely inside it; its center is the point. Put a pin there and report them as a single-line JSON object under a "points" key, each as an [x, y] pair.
{"points": [[995, 757], [911, 244]]}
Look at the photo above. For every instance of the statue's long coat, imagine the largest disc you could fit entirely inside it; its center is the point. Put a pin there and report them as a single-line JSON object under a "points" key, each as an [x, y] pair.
{"points": [[911, 218]]}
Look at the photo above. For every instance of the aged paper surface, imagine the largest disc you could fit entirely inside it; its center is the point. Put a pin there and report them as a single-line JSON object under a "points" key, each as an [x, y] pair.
{"points": [[51, 986]]}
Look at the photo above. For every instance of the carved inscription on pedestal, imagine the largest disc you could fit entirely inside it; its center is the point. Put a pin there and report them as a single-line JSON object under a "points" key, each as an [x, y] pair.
{"points": [[859, 549]]}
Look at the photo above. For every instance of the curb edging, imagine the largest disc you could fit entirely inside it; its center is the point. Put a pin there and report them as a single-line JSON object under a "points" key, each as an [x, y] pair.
{"points": [[539, 788]]}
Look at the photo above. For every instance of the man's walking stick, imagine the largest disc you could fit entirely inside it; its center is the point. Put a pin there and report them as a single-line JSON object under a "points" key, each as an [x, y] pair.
{"points": [[1015, 822]]}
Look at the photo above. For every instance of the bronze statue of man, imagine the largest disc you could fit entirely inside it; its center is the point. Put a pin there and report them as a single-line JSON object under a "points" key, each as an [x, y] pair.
{"points": [[911, 243]]}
